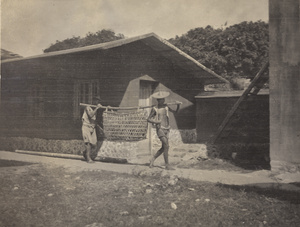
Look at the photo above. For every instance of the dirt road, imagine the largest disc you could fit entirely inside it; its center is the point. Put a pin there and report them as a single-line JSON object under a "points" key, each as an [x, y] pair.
{"points": [[262, 178]]}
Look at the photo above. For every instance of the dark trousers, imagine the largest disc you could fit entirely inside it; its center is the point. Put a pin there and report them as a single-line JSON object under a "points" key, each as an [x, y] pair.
{"points": [[163, 136]]}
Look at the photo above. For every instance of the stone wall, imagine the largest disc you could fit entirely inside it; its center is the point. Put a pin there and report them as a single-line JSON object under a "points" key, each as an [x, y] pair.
{"points": [[111, 149]]}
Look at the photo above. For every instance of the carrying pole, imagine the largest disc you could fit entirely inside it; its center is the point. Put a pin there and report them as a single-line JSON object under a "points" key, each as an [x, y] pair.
{"points": [[127, 108]]}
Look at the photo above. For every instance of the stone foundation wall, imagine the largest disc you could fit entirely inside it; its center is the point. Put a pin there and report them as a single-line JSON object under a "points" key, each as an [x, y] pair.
{"points": [[42, 145], [112, 149]]}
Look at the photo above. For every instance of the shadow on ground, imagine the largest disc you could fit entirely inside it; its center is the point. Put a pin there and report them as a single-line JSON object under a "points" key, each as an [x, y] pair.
{"points": [[245, 156], [284, 192], [9, 163]]}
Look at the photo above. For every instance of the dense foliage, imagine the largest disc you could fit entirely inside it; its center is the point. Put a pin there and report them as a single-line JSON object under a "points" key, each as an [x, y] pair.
{"points": [[237, 51], [102, 36]]}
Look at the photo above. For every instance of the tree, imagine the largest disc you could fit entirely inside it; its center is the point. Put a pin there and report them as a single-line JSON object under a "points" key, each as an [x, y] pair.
{"points": [[102, 36], [237, 51]]}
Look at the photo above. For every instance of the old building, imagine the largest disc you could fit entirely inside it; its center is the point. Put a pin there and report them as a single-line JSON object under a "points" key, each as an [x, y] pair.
{"points": [[41, 94]]}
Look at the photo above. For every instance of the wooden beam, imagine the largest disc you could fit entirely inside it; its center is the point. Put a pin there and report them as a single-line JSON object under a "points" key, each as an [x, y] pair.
{"points": [[239, 101], [127, 108]]}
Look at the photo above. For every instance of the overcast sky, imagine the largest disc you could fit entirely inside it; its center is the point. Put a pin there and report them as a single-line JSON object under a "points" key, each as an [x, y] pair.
{"points": [[29, 26]]}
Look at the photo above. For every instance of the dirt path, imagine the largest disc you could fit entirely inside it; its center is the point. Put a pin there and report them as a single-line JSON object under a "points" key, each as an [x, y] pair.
{"points": [[262, 178]]}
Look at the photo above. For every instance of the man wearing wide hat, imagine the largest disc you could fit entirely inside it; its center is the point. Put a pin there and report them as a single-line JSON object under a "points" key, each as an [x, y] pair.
{"points": [[89, 134], [159, 116]]}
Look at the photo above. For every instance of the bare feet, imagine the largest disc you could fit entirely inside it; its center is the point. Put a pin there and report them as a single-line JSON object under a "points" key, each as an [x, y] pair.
{"points": [[168, 167], [151, 163], [90, 161], [84, 155]]}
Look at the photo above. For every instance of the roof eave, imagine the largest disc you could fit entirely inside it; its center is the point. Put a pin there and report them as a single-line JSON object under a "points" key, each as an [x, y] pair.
{"points": [[218, 79], [103, 46]]}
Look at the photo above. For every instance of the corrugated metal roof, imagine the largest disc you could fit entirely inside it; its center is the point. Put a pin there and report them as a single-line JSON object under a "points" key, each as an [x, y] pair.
{"points": [[163, 47]]}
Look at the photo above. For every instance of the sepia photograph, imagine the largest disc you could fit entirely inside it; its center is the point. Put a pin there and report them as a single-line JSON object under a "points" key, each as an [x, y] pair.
{"points": [[150, 113]]}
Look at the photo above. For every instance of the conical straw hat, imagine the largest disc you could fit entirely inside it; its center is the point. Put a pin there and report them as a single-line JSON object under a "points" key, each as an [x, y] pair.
{"points": [[161, 94]]}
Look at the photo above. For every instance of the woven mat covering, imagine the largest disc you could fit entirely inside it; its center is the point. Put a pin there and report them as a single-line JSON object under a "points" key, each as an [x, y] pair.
{"points": [[125, 126]]}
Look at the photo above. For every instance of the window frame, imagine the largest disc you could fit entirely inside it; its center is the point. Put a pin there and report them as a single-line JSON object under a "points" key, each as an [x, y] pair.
{"points": [[84, 91], [36, 101]]}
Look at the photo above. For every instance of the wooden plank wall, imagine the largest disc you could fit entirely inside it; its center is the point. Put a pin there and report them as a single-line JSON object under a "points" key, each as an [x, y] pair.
{"points": [[116, 69]]}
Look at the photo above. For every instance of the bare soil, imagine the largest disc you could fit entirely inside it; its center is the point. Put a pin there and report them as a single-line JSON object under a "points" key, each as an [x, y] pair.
{"points": [[48, 195]]}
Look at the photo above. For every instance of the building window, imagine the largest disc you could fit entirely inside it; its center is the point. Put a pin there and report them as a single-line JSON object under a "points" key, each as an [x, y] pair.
{"points": [[36, 107], [84, 91]]}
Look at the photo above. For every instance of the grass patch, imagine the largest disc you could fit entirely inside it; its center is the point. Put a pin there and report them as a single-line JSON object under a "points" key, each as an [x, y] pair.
{"points": [[48, 196]]}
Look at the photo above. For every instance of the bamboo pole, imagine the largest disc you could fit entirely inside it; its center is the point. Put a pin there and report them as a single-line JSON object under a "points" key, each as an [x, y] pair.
{"points": [[127, 108], [48, 154], [72, 156]]}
